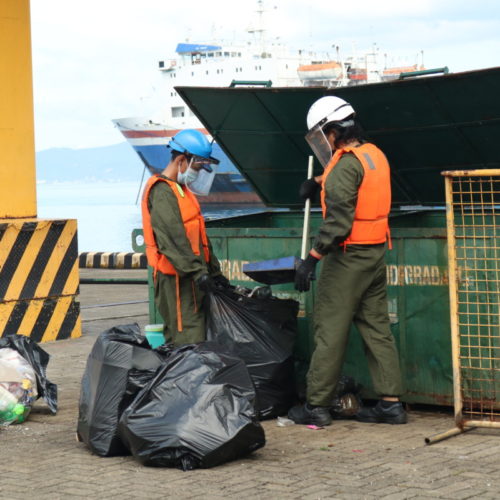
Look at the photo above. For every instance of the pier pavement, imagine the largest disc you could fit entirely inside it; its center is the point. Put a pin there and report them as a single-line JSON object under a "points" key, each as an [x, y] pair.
{"points": [[348, 460]]}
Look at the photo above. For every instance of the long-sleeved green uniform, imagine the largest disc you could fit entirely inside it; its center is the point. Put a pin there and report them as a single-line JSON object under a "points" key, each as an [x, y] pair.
{"points": [[170, 235], [351, 288]]}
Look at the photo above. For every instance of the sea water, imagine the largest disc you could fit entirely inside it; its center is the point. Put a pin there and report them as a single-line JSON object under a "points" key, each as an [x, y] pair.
{"points": [[106, 212]]}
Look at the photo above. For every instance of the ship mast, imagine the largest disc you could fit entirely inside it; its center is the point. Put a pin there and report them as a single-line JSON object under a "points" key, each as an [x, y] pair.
{"points": [[259, 30]]}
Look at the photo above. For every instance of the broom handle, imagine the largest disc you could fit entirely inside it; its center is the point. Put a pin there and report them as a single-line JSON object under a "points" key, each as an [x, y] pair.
{"points": [[307, 210]]}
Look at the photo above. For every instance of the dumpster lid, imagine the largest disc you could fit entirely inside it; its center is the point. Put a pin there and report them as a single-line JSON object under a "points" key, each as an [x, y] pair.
{"points": [[424, 126]]}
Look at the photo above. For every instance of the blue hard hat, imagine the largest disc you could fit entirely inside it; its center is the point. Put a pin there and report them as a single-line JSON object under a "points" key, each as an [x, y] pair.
{"points": [[193, 142]]}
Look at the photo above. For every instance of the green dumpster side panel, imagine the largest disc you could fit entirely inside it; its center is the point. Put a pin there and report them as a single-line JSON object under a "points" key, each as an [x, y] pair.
{"points": [[418, 300], [424, 126]]}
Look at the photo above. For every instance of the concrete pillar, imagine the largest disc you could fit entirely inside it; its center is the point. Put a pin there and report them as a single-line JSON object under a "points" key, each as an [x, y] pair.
{"points": [[17, 144], [38, 258]]}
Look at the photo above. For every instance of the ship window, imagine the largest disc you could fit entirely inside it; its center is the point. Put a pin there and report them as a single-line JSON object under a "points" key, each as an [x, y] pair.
{"points": [[210, 54], [226, 54], [206, 72], [192, 73], [177, 111], [233, 54], [287, 66], [218, 54], [239, 54], [161, 64]]}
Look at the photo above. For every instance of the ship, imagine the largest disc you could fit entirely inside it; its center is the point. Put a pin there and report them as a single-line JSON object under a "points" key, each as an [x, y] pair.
{"points": [[257, 61]]}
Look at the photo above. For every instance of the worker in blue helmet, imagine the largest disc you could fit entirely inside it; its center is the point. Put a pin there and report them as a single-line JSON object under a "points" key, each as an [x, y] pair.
{"points": [[177, 246]]}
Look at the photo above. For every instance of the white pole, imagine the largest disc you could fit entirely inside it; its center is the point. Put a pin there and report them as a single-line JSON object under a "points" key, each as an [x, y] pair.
{"points": [[307, 210]]}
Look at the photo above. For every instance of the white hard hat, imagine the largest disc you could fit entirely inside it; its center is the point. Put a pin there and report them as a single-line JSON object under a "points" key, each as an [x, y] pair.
{"points": [[328, 109]]}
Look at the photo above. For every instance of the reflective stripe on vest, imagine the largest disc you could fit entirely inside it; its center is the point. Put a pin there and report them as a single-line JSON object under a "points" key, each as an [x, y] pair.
{"points": [[191, 218], [370, 225]]}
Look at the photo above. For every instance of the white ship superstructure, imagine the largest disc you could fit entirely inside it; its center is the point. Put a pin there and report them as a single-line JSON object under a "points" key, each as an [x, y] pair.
{"points": [[258, 61], [219, 66]]}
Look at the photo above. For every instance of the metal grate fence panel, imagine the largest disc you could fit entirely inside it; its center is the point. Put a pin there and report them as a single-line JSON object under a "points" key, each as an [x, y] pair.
{"points": [[473, 213]]}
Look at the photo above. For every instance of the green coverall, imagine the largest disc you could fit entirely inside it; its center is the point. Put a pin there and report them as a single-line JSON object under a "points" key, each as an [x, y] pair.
{"points": [[172, 241], [352, 287]]}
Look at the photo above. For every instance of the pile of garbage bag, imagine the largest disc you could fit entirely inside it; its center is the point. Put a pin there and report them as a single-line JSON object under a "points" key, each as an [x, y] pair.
{"points": [[197, 411], [23, 379], [261, 330], [119, 365], [185, 407]]}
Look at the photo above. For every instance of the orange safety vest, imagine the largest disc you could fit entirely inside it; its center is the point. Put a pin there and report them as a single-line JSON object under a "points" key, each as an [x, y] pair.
{"points": [[194, 223], [371, 223]]}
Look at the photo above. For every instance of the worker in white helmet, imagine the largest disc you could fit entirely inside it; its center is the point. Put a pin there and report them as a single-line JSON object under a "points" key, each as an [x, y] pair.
{"points": [[356, 199]]}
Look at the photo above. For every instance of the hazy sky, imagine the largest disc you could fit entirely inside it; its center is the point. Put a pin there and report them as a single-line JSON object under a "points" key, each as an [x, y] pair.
{"points": [[93, 60]]}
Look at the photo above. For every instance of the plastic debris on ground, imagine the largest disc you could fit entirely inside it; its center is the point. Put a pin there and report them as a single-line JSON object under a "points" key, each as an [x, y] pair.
{"points": [[23, 379], [261, 330], [284, 422], [197, 411], [119, 365]]}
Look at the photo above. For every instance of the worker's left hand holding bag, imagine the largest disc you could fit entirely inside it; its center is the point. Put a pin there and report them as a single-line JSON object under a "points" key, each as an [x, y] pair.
{"points": [[207, 283]]}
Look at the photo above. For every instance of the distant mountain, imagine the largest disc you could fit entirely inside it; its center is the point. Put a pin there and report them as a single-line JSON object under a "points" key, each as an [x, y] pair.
{"points": [[118, 162]]}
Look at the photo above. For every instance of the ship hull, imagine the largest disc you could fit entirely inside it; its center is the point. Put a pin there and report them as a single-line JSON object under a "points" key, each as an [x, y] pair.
{"points": [[150, 141]]}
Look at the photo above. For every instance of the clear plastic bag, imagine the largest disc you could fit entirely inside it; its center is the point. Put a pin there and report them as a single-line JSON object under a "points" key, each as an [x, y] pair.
{"points": [[346, 402], [38, 360], [18, 389]]}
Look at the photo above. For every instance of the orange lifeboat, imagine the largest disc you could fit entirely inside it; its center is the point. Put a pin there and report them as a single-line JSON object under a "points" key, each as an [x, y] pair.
{"points": [[320, 71], [393, 73]]}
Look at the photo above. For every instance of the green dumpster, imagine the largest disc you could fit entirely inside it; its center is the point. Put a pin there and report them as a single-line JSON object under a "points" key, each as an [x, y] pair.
{"points": [[417, 292], [424, 126]]}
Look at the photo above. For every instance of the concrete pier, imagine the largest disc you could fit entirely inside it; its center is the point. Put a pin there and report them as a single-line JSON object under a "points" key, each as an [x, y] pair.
{"points": [[348, 460]]}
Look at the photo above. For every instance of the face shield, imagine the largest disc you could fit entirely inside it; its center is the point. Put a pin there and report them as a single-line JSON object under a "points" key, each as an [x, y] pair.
{"points": [[319, 144], [201, 175]]}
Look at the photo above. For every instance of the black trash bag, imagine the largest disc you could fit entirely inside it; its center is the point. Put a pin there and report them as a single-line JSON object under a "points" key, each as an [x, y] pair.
{"points": [[120, 364], [346, 402], [261, 330], [197, 412], [38, 359]]}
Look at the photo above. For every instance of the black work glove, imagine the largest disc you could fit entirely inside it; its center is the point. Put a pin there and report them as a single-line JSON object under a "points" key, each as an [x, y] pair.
{"points": [[221, 281], [309, 189], [305, 273], [205, 283]]}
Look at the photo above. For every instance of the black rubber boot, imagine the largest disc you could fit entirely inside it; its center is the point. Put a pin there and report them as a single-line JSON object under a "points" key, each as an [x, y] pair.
{"points": [[310, 415], [383, 413]]}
